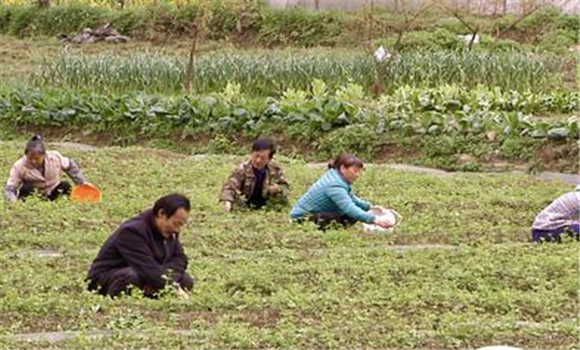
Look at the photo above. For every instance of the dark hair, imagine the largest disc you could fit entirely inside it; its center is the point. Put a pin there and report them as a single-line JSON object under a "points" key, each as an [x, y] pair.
{"points": [[264, 143], [170, 204], [346, 160], [35, 144]]}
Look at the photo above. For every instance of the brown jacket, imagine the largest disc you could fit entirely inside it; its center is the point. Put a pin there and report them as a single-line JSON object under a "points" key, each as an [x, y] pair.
{"points": [[242, 182]]}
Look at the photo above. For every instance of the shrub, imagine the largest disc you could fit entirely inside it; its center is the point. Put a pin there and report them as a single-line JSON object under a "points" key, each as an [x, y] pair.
{"points": [[298, 26], [32, 20]]}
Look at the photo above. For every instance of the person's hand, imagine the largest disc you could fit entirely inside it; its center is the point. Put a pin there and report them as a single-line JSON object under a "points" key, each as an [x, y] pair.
{"points": [[182, 293], [148, 290], [227, 206], [383, 222], [273, 189]]}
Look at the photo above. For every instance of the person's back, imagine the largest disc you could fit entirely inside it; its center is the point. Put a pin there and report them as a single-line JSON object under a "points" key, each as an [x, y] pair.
{"points": [[38, 171], [561, 216], [144, 252], [135, 232], [317, 199], [330, 199]]}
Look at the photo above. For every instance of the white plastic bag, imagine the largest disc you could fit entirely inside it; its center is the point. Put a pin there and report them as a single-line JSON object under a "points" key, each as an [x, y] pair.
{"points": [[381, 54], [390, 214], [467, 38]]}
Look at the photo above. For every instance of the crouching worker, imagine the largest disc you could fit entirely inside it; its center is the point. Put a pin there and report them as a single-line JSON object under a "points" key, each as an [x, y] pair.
{"points": [[560, 217], [331, 199], [145, 252], [39, 172], [257, 182]]}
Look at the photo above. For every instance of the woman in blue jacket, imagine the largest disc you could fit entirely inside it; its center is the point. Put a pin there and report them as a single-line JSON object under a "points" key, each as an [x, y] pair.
{"points": [[330, 199]]}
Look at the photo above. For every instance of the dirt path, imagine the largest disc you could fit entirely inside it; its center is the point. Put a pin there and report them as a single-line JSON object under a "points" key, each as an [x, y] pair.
{"points": [[570, 179]]}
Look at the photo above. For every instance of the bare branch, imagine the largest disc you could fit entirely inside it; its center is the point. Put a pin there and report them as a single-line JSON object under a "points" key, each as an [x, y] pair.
{"points": [[197, 27], [409, 21], [521, 18], [190, 63], [455, 14], [470, 46]]}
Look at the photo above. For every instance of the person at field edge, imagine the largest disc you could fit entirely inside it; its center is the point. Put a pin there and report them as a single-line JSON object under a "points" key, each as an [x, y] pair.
{"points": [[256, 182], [331, 199], [560, 217], [145, 252], [38, 171]]}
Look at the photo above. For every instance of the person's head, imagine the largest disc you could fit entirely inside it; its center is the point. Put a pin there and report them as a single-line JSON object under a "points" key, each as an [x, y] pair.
{"points": [[348, 165], [263, 151], [35, 152], [171, 213]]}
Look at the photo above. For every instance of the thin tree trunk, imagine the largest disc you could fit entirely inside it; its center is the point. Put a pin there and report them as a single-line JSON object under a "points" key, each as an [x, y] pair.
{"points": [[381, 68], [370, 24], [473, 36], [189, 71], [44, 3]]}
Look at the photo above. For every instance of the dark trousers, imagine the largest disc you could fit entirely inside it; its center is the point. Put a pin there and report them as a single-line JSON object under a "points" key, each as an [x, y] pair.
{"points": [[122, 280], [277, 201], [323, 220], [541, 236], [63, 189], [256, 202]]}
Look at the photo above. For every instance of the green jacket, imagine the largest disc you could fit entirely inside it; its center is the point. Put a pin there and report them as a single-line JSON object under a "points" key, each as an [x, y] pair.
{"points": [[242, 182]]}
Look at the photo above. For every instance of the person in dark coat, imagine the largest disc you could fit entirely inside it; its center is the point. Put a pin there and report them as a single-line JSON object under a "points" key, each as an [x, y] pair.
{"points": [[145, 252]]}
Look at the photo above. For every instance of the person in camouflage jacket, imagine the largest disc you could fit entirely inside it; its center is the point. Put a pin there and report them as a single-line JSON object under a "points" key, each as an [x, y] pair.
{"points": [[256, 182]]}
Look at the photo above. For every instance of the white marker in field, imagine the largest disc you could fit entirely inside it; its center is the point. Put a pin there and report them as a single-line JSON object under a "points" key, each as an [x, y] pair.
{"points": [[467, 39], [381, 54]]}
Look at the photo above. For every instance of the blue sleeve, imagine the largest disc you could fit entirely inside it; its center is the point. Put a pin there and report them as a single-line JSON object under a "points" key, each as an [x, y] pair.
{"points": [[364, 205], [347, 206]]}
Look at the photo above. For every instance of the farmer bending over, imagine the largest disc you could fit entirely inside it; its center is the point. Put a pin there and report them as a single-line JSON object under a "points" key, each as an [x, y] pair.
{"points": [[39, 171], [331, 199], [561, 216], [145, 252], [258, 181]]}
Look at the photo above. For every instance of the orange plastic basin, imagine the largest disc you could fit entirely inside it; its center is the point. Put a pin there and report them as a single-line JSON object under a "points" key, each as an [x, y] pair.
{"points": [[86, 194]]}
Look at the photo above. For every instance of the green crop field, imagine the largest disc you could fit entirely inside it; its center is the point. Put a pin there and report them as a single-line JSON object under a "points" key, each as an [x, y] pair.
{"points": [[459, 273]]}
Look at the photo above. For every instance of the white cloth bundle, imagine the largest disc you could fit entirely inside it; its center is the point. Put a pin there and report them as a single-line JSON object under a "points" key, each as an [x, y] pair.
{"points": [[389, 214]]}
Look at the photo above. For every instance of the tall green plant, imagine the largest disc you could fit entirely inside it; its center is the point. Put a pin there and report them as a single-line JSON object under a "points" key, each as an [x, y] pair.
{"points": [[272, 73]]}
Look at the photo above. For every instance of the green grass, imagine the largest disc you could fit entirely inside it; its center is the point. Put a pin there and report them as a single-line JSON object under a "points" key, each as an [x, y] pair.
{"points": [[266, 283]]}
